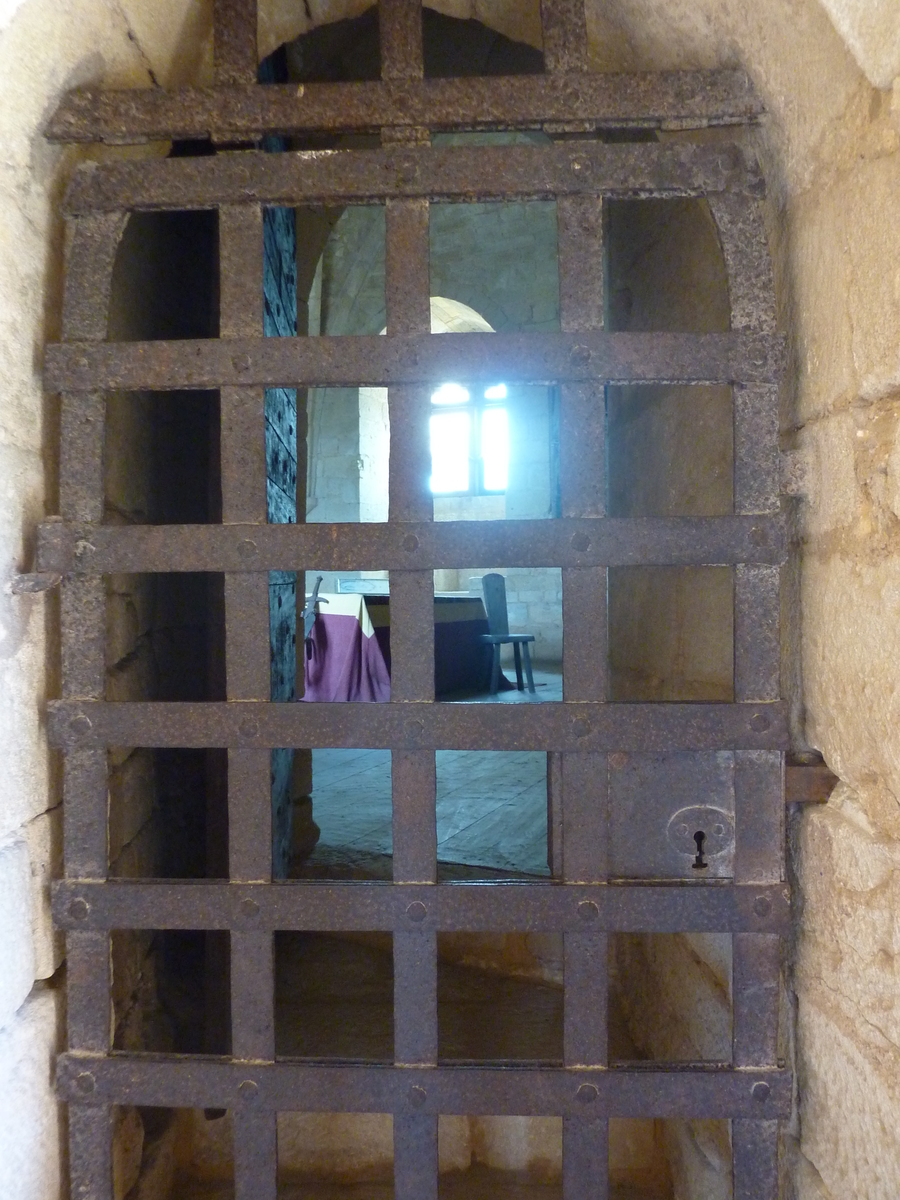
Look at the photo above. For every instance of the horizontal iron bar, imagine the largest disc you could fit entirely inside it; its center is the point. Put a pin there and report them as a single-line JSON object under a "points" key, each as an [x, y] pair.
{"points": [[481, 907], [682, 98], [156, 1081], [576, 726], [808, 781], [436, 172], [68, 549], [359, 360]]}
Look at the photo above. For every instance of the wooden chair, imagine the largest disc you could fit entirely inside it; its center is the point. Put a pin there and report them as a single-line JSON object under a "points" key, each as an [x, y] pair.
{"points": [[494, 589]]}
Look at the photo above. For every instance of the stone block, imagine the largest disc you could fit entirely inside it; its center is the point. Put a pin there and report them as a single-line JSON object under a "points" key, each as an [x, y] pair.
{"points": [[17, 975], [850, 649], [30, 1126], [44, 836], [872, 32]]}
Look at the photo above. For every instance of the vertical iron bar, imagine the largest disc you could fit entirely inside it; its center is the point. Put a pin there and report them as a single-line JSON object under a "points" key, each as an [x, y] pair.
{"points": [[90, 1152], [585, 816], [413, 787], [247, 669], [757, 480], [400, 32], [755, 984], [416, 1157], [89, 986], [757, 626], [255, 1154], [408, 303], [585, 1159], [565, 35], [89, 271], [234, 50], [755, 1150], [415, 997]]}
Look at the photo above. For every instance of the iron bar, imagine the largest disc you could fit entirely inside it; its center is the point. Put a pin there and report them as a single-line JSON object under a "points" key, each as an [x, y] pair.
{"points": [[234, 41], [585, 1158], [502, 172], [89, 983], [400, 34], [414, 359], [757, 642], [759, 816], [90, 1144], [751, 286], [756, 987], [413, 790], [565, 36], [755, 1153], [522, 907], [757, 463], [580, 727], [416, 1156], [682, 98], [194, 1082], [255, 1150], [91, 550]]}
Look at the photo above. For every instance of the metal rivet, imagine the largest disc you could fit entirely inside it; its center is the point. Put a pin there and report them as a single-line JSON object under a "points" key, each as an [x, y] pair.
{"points": [[581, 542], [249, 908], [247, 548], [759, 722], [718, 830], [410, 542], [241, 362], [248, 728], [417, 1096], [79, 909], [417, 911], [414, 728], [248, 1090], [760, 1091], [588, 910], [762, 906], [80, 724], [757, 535], [576, 165], [581, 727], [580, 355], [586, 1094], [618, 761], [86, 1083]]}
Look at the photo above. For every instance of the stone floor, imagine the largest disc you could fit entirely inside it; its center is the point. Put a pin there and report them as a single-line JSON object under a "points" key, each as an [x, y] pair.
{"points": [[491, 806]]}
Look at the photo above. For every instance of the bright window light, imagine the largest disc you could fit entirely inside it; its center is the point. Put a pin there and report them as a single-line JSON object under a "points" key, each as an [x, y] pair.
{"points": [[495, 448], [450, 434], [450, 393], [497, 392]]}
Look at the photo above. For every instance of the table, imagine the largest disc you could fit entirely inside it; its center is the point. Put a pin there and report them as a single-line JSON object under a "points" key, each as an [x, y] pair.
{"points": [[348, 656]]}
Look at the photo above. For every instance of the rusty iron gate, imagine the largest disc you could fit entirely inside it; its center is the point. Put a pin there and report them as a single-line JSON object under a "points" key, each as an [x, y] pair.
{"points": [[579, 169]]}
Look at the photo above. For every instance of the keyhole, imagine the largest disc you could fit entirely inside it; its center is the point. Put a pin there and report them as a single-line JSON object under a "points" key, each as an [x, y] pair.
{"points": [[699, 864]]}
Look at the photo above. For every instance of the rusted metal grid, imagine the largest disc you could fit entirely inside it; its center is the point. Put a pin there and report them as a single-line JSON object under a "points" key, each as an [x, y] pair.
{"points": [[581, 733]]}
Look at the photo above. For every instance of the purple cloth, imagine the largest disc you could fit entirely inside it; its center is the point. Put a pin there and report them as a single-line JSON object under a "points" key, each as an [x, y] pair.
{"points": [[343, 663]]}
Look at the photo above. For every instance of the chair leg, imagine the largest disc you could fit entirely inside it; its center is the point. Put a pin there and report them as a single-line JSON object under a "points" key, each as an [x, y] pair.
{"points": [[519, 684], [528, 674], [495, 669]]}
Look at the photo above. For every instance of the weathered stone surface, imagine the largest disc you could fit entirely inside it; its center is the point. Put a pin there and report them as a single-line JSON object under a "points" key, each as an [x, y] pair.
{"points": [[17, 975], [30, 1133], [848, 984], [44, 836], [872, 32]]}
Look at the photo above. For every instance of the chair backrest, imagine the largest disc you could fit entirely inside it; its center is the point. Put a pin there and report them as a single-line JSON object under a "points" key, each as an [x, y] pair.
{"points": [[494, 588]]}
